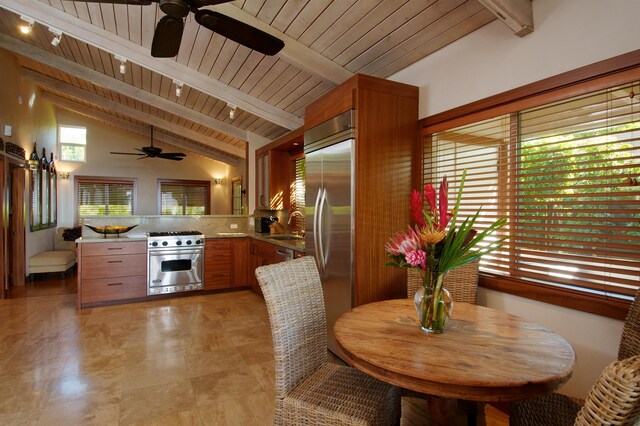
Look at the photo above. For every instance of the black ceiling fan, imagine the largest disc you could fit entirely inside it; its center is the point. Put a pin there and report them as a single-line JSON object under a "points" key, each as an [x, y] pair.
{"points": [[168, 33], [153, 152]]}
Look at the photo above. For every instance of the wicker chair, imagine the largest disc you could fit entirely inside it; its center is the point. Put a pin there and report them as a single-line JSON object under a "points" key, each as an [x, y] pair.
{"points": [[557, 409], [309, 390], [613, 400], [462, 282]]}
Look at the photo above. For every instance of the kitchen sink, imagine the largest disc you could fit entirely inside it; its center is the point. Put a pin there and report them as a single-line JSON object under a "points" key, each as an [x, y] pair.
{"points": [[286, 237]]}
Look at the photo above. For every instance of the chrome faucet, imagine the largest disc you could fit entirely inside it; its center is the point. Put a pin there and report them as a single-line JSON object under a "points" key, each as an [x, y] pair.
{"points": [[293, 213]]}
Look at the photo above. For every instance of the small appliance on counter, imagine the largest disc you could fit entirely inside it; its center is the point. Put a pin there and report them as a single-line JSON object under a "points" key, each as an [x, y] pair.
{"points": [[265, 223]]}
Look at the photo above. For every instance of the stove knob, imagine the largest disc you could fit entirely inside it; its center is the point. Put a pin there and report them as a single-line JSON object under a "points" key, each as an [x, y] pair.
{"points": [[188, 242], [179, 243], [155, 243], [198, 242], [164, 243]]}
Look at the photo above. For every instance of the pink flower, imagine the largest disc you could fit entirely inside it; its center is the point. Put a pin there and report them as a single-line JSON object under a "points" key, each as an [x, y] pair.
{"points": [[430, 196], [417, 258], [443, 205], [416, 208], [403, 243]]}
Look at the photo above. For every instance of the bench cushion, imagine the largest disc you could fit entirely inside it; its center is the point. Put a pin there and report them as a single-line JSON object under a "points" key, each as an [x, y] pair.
{"points": [[52, 261]]}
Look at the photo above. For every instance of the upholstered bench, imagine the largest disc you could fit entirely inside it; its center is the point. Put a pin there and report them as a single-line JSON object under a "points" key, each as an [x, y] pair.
{"points": [[60, 259]]}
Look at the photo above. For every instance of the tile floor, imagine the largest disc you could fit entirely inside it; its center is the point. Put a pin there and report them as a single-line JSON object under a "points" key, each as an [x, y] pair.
{"points": [[199, 360]]}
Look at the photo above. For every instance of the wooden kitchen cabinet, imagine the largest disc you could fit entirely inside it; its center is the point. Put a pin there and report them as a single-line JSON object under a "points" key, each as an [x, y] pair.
{"points": [[111, 271], [239, 262], [272, 180], [262, 253], [217, 264]]}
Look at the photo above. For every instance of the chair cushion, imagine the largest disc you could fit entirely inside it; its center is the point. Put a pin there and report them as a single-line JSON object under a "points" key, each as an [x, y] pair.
{"points": [[336, 394], [51, 258]]}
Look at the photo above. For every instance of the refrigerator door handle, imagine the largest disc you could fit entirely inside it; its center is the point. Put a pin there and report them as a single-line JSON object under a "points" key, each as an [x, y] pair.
{"points": [[315, 228], [321, 254]]}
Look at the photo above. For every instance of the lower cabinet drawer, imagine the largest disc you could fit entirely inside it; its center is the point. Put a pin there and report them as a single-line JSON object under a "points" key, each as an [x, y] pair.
{"points": [[94, 267], [216, 280], [106, 289]]}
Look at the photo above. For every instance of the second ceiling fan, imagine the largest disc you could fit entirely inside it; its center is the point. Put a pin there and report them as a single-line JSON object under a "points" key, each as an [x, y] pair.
{"points": [[168, 32], [153, 152]]}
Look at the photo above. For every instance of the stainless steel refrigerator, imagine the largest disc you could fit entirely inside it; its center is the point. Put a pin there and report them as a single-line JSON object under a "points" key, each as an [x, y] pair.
{"points": [[329, 213]]}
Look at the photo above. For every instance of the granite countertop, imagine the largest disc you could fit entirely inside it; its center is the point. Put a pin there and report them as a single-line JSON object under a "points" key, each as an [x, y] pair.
{"points": [[283, 240]]}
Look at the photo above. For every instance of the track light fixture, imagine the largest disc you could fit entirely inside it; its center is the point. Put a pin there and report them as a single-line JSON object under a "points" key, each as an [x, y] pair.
{"points": [[123, 63], [27, 25], [179, 85], [57, 36], [232, 110]]}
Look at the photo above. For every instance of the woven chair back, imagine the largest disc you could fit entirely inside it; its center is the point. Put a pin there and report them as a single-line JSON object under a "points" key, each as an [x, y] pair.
{"points": [[630, 341], [293, 293], [615, 397], [462, 282]]}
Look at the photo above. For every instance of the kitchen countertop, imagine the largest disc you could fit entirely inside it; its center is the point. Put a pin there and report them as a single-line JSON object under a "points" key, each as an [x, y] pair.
{"points": [[295, 243]]}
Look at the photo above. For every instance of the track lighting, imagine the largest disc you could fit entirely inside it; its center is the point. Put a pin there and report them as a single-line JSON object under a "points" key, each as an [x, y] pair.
{"points": [[178, 87], [232, 110], [27, 25], [123, 63], [57, 36]]}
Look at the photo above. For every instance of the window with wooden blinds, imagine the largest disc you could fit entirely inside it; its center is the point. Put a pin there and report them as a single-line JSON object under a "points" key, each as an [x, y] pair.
{"points": [[184, 197], [565, 175], [297, 194], [104, 196]]}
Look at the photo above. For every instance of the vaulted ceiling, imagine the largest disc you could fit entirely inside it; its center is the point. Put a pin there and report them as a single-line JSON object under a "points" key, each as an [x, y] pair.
{"points": [[326, 42]]}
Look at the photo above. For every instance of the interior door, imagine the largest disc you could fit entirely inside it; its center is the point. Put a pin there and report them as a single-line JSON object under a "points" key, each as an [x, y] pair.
{"points": [[16, 227], [3, 259]]}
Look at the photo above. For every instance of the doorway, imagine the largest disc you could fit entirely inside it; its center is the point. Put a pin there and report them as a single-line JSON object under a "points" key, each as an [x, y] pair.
{"points": [[237, 196]]}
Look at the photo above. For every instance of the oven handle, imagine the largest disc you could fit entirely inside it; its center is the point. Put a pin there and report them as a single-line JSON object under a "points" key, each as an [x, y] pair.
{"points": [[172, 252]]}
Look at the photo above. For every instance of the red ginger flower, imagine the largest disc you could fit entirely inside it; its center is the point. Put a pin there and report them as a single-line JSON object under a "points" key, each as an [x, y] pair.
{"points": [[416, 208]]}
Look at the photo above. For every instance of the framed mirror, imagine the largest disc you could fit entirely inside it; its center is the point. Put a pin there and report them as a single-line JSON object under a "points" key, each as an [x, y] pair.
{"points": [[44, 187]]}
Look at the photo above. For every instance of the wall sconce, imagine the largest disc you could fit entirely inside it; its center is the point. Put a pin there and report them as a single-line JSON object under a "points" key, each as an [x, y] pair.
{"points": [[64, 175], [217, 181], [57, 36], [232, 110], [179, 85], [123, 63], [25, 28]]}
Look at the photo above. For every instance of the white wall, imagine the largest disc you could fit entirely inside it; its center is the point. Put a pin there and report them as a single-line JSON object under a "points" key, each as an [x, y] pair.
{"points": [[102, 139], [568, 34]]}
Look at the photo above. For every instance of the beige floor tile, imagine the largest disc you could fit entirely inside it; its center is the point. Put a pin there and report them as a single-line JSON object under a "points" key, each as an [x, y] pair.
{"points": [[165, 399], [80, 412], [228, 384]]}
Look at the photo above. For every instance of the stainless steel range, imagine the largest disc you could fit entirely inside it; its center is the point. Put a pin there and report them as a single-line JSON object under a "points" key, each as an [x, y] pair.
{"points": [[176, 261]]}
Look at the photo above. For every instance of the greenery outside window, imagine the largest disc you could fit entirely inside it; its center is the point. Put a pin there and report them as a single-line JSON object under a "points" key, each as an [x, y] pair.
{"points": [[73, 143], [563, 174], [184, 197], [98, 196]]}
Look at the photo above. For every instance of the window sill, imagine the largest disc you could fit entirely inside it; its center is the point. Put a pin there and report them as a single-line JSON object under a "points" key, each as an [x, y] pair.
{"points": [[595, 304]]}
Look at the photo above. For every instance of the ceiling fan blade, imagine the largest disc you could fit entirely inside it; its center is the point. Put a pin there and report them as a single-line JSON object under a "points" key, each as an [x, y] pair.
{"points": [[239, 32], [126, 153], [167, 38], [131, 2], [173, 157], [174, 154], [202, 3]]}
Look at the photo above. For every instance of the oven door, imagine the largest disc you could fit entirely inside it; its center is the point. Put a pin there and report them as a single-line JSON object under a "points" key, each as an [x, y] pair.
{"points": [[175, 268]]}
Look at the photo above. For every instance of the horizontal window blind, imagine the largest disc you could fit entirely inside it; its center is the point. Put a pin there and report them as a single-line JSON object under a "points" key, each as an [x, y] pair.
{"points": [[565, 176], [184, 198], [298, 194], [98, 197]]}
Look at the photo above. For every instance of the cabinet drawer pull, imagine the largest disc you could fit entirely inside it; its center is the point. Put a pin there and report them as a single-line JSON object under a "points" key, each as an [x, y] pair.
{"points": [[110, 284], [114, 261], [114, 248], [283, 253]]}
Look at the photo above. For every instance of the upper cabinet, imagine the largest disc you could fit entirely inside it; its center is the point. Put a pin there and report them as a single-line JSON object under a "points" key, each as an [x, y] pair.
{"points": [[274, 172]]}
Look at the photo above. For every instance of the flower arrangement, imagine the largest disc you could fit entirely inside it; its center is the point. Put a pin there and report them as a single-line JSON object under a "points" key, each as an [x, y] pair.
{"points": [[437, 245]]}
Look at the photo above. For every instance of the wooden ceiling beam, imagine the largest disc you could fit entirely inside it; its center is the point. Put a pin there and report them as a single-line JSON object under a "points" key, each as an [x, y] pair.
{"points": [[516, 14], [137, 129], [80, 71], [107, 41], [108, 104], [293, 52]]}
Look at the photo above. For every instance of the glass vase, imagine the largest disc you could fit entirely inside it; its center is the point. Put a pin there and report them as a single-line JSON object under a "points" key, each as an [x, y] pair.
{"points": [[433, 303]]}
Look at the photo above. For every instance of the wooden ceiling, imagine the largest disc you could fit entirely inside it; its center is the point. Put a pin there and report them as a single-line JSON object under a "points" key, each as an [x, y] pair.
{"points": [[326, 41]]}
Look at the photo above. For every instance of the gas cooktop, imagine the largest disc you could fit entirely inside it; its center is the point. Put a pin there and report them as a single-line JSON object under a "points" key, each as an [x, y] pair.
{"points": [[174, 233]]}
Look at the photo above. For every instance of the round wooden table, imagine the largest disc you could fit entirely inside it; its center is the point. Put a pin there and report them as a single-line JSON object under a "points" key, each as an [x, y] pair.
{"points": [[483, 355]]}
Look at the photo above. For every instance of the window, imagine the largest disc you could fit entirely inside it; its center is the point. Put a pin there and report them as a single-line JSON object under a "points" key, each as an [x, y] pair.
{"points": [[97, 196], [184, 197], [297, 194], [73, 143], [565, 175]]}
